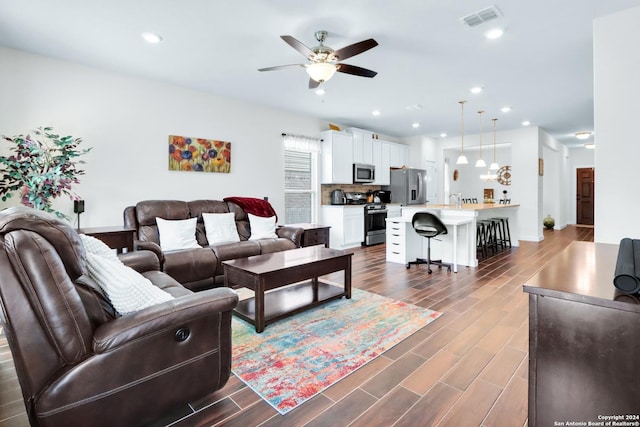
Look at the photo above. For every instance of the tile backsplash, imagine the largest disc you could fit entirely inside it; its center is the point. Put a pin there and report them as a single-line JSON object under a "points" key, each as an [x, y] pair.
{"points": [[326, 190]]}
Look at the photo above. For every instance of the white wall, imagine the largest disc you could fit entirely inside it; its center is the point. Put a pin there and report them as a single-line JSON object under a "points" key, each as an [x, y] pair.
{"points": [[617, 153], [556, 180], [127, 121], [469, 182]]}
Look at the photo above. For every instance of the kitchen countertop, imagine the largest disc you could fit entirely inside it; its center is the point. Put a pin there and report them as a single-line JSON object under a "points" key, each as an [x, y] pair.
{"points": [[465, 206], [344, 206]]}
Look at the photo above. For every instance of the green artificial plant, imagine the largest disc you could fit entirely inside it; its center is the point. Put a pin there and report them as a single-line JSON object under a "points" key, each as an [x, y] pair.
{"points": [[42, 166]]}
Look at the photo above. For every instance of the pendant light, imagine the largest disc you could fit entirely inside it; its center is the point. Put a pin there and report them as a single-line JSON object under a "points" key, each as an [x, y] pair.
{"points": [[480, 163], [494, 166], [462, 159]]}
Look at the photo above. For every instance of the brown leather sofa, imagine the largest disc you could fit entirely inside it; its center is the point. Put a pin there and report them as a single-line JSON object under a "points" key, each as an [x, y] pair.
{"points": [[201, 268], [78, 363]]}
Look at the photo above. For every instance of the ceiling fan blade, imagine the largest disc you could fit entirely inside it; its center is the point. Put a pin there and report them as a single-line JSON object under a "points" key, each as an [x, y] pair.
{"points": [[280, 67], [313, 84], [356, 71], [299, 46], [354, 49]]}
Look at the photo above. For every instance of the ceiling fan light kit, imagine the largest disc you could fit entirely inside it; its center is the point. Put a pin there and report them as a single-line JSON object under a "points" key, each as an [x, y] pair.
{"points": [[321, 71], [324, 62]]}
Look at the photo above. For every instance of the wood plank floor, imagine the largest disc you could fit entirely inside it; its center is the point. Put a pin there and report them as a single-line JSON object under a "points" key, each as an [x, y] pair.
{"points": [[468, 368]]}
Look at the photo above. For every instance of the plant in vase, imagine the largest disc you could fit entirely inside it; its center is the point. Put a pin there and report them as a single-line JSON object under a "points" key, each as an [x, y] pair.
{"points": [[42, 166]]}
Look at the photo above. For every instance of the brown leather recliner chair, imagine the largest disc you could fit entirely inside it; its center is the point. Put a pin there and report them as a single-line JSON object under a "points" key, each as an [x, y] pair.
{"points": [[80, 364]]}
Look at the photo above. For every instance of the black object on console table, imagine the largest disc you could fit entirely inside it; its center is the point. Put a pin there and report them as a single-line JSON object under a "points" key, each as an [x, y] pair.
{"points": [[584, 340], [627, 273]]}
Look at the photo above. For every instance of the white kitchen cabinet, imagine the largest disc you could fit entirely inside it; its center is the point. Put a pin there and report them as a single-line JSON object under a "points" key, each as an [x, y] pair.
{"points": [[354, 226], [398, 155], [403, 243], [394, 211], [337, 157], [381, 153], [362, 146], [347, 225]]}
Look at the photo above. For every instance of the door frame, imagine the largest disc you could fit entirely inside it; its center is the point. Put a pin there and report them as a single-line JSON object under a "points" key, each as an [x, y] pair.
{"points": [[593, 195], [574, 193]]}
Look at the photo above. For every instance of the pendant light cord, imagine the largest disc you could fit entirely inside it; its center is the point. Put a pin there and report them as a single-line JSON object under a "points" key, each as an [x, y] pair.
{"points": [[462, 126], [480, 112], [494, 139]]}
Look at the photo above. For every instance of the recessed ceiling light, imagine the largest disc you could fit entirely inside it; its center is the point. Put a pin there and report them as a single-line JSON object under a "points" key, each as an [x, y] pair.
{"points": [[526, 123], [151, 38], [493, 34], [476, 89], [583, 135], [505, 109], [443, 135], [376, 112], [320, 91], [415, 125]]}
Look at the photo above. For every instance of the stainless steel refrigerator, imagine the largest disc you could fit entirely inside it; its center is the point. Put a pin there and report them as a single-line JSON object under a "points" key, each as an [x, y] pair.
{"points": [[408, 186]]}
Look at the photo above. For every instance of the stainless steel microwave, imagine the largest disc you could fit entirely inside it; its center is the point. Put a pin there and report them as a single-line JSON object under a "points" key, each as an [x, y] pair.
{"points": [[363, 174]]}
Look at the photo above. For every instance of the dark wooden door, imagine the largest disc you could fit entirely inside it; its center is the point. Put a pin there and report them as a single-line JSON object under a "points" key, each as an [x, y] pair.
{"points": [[584, 195]]}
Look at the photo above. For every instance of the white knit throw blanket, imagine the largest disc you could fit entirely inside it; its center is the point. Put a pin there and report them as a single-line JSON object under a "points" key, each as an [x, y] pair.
{"points": [[128, 290]]}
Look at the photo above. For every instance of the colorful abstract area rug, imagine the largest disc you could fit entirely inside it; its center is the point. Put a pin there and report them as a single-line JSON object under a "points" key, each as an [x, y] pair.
{"points": [[300, 356]]}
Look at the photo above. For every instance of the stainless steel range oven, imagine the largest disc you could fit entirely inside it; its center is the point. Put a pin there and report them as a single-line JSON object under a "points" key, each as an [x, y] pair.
{"points": [[375, 224]]}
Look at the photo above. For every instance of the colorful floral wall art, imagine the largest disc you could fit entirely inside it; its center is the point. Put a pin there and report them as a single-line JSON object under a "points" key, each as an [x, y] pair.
{"points": [[198, 154]]}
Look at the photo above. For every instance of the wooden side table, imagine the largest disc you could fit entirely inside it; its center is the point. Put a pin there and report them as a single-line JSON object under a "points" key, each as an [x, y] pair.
{"points": [[116, 237], [314, 234]]}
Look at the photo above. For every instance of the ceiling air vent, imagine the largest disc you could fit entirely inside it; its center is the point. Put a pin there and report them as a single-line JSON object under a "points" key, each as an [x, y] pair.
{"points": [[481, 16]]}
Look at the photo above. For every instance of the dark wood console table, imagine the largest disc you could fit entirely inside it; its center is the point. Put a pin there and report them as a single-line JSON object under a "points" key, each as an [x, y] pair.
{"points": [[262, 273], [116, 237], [584, 340], [314, 234]]}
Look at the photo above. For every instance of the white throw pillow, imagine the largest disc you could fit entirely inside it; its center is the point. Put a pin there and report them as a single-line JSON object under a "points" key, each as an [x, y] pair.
{"points": [[177, 234], [128, 290], [262, 228], [220, 227]]}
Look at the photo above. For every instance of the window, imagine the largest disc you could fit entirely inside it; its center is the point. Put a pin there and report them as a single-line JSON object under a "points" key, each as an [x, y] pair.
{"points": [[300, 179]]}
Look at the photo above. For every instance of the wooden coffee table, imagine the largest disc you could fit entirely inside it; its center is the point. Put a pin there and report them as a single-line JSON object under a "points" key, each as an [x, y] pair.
{"points": [[262, 273]]}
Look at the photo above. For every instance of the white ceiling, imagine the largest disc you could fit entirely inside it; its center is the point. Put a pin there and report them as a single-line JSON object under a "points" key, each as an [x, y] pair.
{"points": [[541, 67]]}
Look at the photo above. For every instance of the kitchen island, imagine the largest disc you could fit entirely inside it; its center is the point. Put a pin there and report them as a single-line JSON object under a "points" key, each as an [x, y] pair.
{"points": [[458, 247]]}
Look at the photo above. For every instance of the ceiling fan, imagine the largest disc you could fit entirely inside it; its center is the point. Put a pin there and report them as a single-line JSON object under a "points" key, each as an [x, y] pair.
{"points": [[324, 61]]}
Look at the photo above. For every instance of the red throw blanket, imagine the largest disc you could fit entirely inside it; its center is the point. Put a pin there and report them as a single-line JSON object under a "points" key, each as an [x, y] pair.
{"points": [[257, 207]]}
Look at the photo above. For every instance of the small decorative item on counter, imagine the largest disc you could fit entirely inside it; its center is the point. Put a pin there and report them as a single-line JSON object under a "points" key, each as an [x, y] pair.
{"points": [[549, 222]]}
